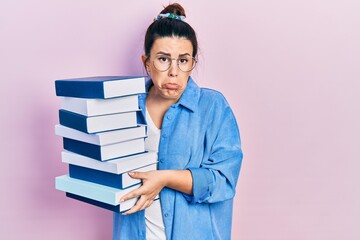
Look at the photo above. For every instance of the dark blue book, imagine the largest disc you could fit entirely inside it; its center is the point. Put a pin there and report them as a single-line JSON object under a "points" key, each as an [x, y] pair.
{"points": [[101, 87], [117, 208], [106, 152], [96, 124], [120, 181]]}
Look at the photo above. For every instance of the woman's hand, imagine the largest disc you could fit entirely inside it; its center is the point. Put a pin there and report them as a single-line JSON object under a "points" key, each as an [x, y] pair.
{"points": [[153, 182]]}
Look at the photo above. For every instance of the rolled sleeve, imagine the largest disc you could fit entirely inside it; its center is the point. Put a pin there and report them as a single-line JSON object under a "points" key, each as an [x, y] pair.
{"points": [[215, 179], [202, 184]]}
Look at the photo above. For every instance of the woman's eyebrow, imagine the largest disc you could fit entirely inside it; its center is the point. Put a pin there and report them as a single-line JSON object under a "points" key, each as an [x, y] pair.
{"points": [[184, 54], [163, 53]]}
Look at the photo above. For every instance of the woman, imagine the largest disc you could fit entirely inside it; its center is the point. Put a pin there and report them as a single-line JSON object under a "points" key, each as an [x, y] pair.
{"points": [[197, 139]]}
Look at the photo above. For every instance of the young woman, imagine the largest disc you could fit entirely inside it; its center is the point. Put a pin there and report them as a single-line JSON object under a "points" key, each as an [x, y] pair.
{"points": [[197, 139]]}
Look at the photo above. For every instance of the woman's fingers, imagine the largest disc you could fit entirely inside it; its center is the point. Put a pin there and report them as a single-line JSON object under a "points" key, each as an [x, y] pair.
{"points": [[132, 194], [137, 175], [141, 204], [152, 185]]}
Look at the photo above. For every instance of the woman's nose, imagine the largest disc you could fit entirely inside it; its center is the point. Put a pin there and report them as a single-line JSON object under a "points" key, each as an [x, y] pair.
{"points": [[174, 69]]}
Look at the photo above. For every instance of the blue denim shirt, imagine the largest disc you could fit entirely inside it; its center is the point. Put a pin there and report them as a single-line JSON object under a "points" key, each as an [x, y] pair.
{"points": [[198, 133]]}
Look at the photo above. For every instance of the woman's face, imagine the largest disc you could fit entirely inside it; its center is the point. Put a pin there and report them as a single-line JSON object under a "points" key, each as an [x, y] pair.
{"points": [[169, 84]]}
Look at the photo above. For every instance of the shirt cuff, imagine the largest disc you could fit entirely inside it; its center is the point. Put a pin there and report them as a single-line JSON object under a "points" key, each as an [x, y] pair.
{"points": [[202, 185]]}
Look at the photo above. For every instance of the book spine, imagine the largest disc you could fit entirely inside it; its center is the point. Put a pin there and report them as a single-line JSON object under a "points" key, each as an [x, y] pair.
{"points": [[73, 120], [79, 89], [99, 177], [82, 148]]}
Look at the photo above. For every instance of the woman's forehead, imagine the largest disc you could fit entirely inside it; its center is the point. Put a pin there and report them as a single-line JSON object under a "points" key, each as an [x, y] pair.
{"points": [[172, 46]]}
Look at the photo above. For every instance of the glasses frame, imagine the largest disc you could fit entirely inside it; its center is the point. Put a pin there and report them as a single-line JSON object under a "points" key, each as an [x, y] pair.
{"points": [[177, 63]]}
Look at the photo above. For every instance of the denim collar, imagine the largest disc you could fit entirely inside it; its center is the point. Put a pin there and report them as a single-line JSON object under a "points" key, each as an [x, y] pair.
{"points": [[188, 99]]}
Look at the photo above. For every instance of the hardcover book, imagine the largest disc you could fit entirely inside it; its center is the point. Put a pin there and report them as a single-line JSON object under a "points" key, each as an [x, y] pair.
{"points": [[116, 166], [100, 87], [91, 190], [106, 152], [102, 138], [97, 123], [118, 208], [94, 107], [124, 206], [120, 181]]}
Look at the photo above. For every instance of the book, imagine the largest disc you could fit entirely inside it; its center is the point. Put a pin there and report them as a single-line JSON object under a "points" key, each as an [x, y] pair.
{"points": [[116, 166], [120, 181], [102, 138], [97, 123], [94, 107], [91, 190], [106, 152], [100, 86], [118, 208], [124, 206]]}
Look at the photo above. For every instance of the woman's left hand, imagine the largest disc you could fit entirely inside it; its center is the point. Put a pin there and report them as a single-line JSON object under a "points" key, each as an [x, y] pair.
{"points": [[152, 183]]}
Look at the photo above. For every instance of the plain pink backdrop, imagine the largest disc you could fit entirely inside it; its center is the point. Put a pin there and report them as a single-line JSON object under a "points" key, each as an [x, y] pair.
{"points": [[290, 70]]}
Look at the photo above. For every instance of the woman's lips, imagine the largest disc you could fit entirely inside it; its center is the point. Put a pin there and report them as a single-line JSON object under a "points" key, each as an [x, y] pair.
{"points": [[171, 86]]}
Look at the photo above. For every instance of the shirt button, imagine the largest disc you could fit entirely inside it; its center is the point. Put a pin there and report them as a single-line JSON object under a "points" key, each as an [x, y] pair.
{"points": [[164, 135], [166, 215], [161, 160], [169, 117]]}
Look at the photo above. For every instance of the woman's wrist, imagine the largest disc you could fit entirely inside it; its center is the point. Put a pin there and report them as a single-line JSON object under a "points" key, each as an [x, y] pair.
{"points": [[180, 180]]}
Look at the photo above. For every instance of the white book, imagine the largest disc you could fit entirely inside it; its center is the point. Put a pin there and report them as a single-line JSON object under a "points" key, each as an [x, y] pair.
{"points": [[91, 190], [117, 166], [128, 181], [94, 107], [102, 138]]}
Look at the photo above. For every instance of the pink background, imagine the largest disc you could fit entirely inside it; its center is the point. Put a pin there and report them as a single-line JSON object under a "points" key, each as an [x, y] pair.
{"points": [[290, 70]]}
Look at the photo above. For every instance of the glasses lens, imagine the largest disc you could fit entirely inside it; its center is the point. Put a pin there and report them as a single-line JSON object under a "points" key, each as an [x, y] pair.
{"points": [[162, 63], [186, 64]]}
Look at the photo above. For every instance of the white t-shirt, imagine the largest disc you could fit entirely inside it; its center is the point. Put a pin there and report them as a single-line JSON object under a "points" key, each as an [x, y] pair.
{"points": [[155, 229]]}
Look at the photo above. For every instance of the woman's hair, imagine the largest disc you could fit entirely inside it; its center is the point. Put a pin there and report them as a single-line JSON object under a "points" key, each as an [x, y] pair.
{"points": [[170, 27]]}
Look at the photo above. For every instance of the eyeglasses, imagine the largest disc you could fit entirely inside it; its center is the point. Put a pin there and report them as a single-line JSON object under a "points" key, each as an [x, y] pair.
{"points": [[163, 63]]}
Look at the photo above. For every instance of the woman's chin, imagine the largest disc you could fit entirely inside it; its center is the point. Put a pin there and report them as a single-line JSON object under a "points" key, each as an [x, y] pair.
{"points": [[171, 94]]}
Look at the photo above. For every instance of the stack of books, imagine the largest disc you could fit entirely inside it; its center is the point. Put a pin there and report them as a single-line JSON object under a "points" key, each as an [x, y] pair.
{"points": [[102, 139]]}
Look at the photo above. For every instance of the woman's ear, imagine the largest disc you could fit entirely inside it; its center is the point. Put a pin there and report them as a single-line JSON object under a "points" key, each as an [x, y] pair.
{"points": [[145, 62]]}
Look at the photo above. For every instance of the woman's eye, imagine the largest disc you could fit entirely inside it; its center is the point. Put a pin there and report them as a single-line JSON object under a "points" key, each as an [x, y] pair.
{"points": [[163, 59], [183, 60]]}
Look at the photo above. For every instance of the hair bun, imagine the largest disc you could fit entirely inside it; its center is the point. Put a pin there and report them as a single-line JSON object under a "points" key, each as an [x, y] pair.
{"points": [[174, 8]]}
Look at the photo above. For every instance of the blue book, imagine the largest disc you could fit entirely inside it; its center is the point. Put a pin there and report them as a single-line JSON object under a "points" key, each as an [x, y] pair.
{"points": [[96, 124], [101, 87], [91, 190], [120, 181], [118, 208], [106, 152]]}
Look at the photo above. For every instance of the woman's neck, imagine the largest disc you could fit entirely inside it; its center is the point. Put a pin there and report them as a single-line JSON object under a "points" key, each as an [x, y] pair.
{"points": [[155, 97], [157, 106]]}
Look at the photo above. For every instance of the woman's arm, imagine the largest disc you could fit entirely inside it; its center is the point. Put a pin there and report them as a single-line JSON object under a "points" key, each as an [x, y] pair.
{"points": [[153, 182], [215, 179]]}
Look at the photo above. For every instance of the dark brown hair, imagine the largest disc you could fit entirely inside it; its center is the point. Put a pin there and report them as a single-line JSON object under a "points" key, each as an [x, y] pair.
{"points": [[169, 27]]}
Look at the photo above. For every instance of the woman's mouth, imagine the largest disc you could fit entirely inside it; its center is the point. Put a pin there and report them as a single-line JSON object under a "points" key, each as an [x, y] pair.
{"points": [[171, 86]]}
